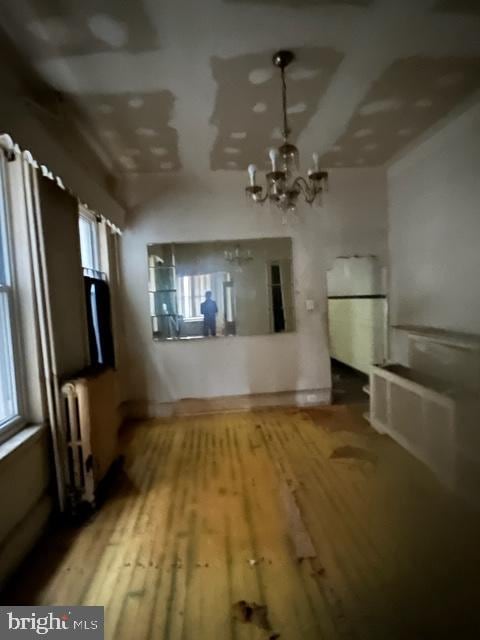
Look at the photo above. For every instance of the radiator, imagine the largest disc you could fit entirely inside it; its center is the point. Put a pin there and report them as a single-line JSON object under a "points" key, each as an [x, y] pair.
{"points": [[91, 434], [419, 417]]}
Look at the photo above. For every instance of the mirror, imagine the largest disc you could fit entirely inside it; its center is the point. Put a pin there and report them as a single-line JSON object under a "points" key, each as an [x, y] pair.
{"points": [[217, 289]]}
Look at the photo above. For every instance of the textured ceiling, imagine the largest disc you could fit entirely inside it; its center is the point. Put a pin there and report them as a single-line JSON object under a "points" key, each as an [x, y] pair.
{"points": [[459, 6], [295, 4], [409, 97], [248, 111], [183, 86], [80, 27], [134, 129]]}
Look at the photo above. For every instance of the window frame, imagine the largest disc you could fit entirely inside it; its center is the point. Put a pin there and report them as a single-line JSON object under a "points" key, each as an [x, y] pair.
{"points": [[12, 425], [92, 221]]}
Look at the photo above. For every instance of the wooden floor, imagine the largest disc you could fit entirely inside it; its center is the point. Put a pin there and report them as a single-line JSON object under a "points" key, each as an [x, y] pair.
{"points": [[282, 524]]}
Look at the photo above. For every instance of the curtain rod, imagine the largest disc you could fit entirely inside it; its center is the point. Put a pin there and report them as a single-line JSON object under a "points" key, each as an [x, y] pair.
{"points": [[12, 150]]}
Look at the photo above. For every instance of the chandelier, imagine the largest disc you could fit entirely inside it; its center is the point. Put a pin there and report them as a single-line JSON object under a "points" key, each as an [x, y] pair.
{"points": [[283, 188], [238, 255]]}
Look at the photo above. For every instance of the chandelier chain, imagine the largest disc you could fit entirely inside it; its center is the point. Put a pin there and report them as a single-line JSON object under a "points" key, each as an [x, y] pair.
{"points": [[286, 130], [283, 187]]}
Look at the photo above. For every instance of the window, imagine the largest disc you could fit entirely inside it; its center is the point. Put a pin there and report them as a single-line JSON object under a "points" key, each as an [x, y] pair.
{"points": [[191, 293], [89, 242], [9, 387]]}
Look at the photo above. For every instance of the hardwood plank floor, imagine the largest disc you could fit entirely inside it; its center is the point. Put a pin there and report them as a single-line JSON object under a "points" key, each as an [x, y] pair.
{"points": [[334, 529]]}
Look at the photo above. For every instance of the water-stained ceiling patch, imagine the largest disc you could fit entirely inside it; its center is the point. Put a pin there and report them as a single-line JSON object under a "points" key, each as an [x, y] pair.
{"points": [[248, 110], [56, 28], [458, 6], [134, 130], [411, 96]]}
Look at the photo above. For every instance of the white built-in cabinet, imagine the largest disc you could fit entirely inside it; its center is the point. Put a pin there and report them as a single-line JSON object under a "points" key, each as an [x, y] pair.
{"points": [[357, 312]]}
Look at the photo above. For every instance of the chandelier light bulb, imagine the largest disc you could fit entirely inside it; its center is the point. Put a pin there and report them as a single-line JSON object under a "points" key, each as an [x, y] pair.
{"points": [[316, 158], [252, 169], [273, 153]]}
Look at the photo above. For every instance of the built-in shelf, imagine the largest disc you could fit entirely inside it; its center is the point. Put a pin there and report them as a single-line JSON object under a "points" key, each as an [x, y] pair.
{"points": [[366, 389], [454, 338]]}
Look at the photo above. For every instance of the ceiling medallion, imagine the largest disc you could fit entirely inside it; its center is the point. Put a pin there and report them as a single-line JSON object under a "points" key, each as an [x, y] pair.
{"points": [[283, 188]]}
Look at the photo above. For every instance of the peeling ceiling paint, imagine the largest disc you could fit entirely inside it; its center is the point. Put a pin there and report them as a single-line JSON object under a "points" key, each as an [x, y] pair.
{"points": [[410, 96], [255, 107]]}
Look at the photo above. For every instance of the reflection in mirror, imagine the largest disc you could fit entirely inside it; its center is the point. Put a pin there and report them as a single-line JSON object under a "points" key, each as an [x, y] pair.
{"points": [[214, 289]]}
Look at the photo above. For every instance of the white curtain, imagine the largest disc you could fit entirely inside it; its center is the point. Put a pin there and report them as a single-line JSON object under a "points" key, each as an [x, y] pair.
{"points": [[46, 216]]}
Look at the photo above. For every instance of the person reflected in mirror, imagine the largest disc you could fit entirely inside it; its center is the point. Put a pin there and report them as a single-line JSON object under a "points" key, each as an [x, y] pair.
{"points": [[209, 311]]}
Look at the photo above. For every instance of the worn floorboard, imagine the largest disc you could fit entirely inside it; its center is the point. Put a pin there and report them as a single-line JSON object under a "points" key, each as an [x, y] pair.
{"points": [[334, 529]]}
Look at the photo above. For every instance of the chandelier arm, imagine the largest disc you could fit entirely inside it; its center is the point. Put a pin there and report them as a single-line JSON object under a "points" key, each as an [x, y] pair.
{"points": [[261, 199], [309, 193]]}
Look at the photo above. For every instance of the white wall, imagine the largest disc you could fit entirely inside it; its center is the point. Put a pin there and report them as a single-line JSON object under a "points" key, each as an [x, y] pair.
{"points": [[353, 220], [434, 232], [26, 499]]}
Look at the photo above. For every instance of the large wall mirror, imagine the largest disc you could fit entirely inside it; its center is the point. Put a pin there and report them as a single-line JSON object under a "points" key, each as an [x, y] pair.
{"points": [[216, 289]]}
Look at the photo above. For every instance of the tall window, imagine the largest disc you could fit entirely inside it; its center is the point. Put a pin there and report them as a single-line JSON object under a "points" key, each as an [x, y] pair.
{"points": [[89, 242], [191, 293], [9, 395]]}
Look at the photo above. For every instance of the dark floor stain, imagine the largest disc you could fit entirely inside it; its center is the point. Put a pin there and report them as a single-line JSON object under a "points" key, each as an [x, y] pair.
{"points": [[251, 612], [340, 418], [355, 453]]}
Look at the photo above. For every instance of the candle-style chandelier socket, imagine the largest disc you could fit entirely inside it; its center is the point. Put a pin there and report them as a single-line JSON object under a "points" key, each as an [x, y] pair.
{"points": [[238, 255], [283, 188]]}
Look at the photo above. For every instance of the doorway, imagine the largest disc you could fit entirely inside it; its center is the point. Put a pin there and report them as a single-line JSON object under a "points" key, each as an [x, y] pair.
{"points": [[278, 311]]}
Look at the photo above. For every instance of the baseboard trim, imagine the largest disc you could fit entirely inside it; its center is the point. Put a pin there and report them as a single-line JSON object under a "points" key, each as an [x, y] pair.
{"points": [[142, 409]]}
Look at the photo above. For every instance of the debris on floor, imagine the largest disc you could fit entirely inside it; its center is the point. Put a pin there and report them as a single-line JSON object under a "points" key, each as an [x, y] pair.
{"points": [[297, 530], [251, 612], [320, 571], [353, 453], [254, 561]]}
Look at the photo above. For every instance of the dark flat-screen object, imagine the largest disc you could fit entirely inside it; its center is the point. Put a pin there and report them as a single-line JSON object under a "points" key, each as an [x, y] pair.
{"points": [[99, 323]]}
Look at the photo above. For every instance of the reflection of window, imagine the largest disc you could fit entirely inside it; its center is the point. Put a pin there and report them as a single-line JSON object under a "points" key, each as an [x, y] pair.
{"points": [[9, 396], [229, 313], [191, 293]]}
